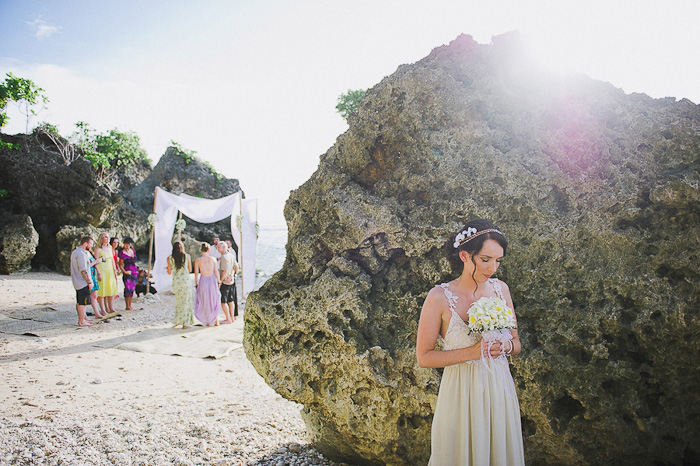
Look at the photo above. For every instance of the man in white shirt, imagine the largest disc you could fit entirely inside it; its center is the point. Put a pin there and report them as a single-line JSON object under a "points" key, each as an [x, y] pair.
{"points": [[214, 251], [228, 268]]}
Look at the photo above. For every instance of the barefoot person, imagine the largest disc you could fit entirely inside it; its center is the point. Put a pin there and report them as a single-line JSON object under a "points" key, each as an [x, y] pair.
{"points": [[127, 264], [108, 272], [80, 276], [228, 268], [114, 242], [207, 301], [95, 277], [180, 266], [477, 415]]}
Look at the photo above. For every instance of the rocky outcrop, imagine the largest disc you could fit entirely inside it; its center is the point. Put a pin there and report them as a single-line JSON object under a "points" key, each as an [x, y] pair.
{"points": [[67, 200], [598, 193], [178, 172], [67, 239], [41, 185], [18, 241]]}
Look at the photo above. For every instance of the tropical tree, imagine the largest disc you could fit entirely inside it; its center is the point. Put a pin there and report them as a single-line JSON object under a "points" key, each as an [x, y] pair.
{"points": [[349, 102], [22, 91]]}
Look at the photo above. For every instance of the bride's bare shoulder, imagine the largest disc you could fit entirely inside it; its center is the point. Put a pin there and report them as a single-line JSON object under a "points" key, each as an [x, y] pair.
{"points": [[504, 285], [436, 296]]}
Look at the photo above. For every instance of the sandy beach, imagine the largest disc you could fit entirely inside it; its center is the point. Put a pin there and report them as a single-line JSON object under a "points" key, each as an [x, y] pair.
{"points": [[74, 396]]}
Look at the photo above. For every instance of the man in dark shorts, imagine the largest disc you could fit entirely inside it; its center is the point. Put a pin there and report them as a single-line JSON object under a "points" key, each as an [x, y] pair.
{"points": [[80, 275], [228, 268]]}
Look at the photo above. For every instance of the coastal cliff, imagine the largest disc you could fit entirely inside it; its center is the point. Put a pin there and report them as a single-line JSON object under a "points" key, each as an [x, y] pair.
{"points": [[59, 202], [598, 193]]}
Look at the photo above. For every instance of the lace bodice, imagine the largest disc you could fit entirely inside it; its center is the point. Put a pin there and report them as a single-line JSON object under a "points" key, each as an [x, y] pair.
{"points": [[457, 335]]}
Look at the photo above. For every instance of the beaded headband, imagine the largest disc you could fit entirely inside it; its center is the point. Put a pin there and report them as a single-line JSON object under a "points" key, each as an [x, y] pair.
{"points": [[469, 234]]}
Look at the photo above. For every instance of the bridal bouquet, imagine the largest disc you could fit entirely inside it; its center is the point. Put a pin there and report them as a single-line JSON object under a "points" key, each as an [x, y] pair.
{"points": [[488, 314], [492, 318]]}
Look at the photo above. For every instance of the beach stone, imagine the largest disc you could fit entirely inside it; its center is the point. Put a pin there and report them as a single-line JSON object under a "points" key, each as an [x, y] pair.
{"points": [[18, 242], [598, 193]]}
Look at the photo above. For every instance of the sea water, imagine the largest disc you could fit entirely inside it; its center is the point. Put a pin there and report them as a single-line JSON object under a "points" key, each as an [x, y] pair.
{"points": [[270, 250]]}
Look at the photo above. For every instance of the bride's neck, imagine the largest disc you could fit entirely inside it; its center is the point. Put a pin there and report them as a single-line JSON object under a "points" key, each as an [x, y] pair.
{"points": [[466, 282]]}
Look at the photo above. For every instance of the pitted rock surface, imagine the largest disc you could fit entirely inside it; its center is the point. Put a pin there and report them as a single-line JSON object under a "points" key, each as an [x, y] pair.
{"points": [[18, 241], [598, 194]]}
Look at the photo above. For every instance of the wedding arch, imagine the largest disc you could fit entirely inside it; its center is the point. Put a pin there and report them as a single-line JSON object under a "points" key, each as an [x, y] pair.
{"points": [[243, 213]]}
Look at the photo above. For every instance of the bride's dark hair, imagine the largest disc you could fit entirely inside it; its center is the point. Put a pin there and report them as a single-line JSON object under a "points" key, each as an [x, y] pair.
{"points": [[473, 246]]}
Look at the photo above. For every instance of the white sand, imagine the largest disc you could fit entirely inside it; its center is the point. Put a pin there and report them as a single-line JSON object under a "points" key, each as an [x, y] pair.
{"points": [[65, 401]]}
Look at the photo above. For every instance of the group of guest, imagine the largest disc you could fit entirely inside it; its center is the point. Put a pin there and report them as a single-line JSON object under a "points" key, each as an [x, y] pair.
{"points": [[214, 284], [103, 262]]}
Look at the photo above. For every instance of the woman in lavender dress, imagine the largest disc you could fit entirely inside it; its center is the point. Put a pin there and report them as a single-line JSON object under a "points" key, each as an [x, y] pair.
{"points": [[130, 271], [207, 300]]}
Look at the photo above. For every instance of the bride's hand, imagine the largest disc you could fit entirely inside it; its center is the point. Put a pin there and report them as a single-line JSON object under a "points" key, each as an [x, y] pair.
{"points": [[497, 349]]}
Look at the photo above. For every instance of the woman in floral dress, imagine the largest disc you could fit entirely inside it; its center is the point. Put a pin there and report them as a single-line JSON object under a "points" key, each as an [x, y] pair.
{"points": [[180, 266]]}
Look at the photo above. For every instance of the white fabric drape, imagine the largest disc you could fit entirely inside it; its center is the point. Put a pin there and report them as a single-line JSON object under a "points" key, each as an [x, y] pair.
{"points": [[246, 239], [199, 210], [249, 210]]}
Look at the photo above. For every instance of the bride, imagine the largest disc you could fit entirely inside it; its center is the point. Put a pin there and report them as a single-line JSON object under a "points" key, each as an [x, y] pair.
{"points": [[477, 416]]}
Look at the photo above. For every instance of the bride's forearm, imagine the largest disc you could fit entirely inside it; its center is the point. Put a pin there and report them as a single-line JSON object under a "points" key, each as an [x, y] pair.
{"points": [[437, 358], [517, 347]]}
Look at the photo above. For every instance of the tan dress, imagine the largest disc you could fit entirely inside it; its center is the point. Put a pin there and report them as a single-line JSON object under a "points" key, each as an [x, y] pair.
{"points": [[477, 416]]}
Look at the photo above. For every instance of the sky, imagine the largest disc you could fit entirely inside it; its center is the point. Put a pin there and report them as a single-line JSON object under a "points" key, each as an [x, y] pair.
{"points": [[251, 85]]}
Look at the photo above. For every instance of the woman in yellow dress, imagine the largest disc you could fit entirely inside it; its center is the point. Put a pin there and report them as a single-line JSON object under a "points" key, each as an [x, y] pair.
{"points": [[108, 271], [477, 415]]}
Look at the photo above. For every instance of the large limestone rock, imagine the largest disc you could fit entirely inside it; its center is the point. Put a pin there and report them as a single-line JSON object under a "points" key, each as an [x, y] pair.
{"points": [[598, 193], [18, 241]]}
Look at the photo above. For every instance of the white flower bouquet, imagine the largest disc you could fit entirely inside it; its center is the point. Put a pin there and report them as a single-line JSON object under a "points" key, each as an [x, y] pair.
{"points": [[152, 219], [488, 314], [180, 225], [493, 319]]}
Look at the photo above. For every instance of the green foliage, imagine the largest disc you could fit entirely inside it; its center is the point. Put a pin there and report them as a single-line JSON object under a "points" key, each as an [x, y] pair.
{"points": [[189, 156], [8, 145], [213, 171], [85, 139], [4, 193], [46, 128], [186, 154], [110, 150], [349, 102], [20, 90], [121, 148]]}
